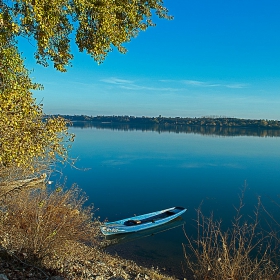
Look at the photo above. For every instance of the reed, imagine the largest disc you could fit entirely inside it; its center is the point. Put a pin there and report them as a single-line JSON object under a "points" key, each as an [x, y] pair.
{"points": [[242, 251]]}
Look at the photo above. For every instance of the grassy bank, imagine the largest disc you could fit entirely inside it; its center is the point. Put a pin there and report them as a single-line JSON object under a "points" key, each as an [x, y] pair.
{"points": [[45, 233]]}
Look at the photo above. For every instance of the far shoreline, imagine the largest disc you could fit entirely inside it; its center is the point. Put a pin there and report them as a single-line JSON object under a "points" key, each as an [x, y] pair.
{"points": [[220, 122]]}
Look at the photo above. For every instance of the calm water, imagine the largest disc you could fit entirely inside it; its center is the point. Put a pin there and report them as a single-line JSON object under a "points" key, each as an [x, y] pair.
{"points": [[134, 172]]}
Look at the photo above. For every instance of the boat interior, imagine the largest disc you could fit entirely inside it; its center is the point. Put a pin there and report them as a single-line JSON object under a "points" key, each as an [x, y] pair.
{"points": [[154, 218]]}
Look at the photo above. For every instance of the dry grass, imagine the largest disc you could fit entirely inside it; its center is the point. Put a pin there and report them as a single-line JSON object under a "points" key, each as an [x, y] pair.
{"points": [[38, 224], [241, 252], [54, 233]]}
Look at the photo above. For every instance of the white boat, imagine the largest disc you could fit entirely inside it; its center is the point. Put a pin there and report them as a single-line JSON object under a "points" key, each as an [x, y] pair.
{"points": [[142, 222], [127, 237]]}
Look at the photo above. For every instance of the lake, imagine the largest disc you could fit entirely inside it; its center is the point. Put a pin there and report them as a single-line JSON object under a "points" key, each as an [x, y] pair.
{"points": [[126, 171]]}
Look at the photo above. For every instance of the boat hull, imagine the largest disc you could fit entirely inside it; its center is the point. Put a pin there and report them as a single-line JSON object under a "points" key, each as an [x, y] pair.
{"points": [[142, 222], [114, 239]]}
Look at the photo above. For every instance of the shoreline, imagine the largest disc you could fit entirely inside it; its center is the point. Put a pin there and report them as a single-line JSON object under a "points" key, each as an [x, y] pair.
{"points": [[165, 266], [98, 265]]}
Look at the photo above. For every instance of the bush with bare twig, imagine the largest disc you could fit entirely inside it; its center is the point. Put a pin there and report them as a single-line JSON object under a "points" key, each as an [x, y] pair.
{"points": [[243, 251], [41, 224], [53, 233]]}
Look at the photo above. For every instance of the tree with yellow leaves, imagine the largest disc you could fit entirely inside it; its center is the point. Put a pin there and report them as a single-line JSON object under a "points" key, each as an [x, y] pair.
{"points": [[97, 25], [28, 142]]}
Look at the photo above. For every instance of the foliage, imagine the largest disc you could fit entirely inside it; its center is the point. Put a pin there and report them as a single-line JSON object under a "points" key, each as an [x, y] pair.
{"points": [[52, 231], [243, 251], [97, 25], [28, 142], [40, 224]]}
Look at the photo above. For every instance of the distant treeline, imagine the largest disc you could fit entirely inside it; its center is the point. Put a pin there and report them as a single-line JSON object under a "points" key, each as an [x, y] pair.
{"points": [[220, 126], [202, 121]]}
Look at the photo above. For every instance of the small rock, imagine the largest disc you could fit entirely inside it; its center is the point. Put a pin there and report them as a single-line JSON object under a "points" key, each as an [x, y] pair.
{"points": [[3, 277]]}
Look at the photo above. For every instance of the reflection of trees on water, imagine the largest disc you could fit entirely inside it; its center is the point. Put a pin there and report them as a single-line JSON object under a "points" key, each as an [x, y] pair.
{"points": [[204, 130]]}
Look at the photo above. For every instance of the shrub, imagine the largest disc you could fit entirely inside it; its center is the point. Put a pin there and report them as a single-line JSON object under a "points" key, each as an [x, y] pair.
{"points": [[53, 233], [243, 251], [41, 224]]}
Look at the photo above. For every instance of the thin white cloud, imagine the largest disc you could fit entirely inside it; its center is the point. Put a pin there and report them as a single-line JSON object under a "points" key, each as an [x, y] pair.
{"points": [[214, 85], [174, 85], [138, 87], [237, 85], [117, 81], [194, 83], [131, 85], [197, 83]]}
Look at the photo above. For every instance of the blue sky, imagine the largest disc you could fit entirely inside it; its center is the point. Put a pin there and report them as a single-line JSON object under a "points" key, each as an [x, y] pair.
{"points": [[217, 58]]}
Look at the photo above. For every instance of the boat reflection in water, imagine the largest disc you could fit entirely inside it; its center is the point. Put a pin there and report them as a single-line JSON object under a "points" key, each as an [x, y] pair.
{"points": [[127, 237]]}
